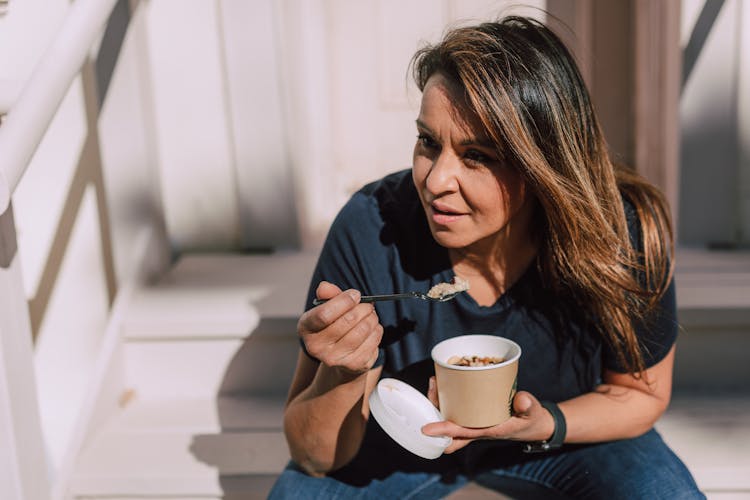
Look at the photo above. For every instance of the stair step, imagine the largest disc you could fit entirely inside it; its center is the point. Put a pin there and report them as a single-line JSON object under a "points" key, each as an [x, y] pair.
{"points": [[261, 364], [212, 415], [280, 279], [162, 312], [712, 436], [185, 448]]}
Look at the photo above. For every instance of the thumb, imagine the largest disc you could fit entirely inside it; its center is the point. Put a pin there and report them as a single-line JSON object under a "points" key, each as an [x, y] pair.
{"points": [[522, 404], [326, 290]]}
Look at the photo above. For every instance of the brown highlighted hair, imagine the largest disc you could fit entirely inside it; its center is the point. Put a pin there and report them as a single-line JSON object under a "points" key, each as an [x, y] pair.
{"points": [[525, 88]]}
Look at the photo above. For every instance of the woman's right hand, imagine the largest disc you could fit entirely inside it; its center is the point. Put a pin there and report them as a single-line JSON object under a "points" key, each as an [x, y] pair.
{"points": [[341, 333]]}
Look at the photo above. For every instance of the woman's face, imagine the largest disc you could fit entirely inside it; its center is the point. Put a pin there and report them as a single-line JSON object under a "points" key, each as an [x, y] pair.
{"points": [[471, 198]]}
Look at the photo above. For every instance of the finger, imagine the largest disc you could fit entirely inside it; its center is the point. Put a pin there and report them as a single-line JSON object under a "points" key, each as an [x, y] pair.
{"points": [[432, 393], [362, 352], [355, 327], [320, 317], [326, 290], [455, 431]]}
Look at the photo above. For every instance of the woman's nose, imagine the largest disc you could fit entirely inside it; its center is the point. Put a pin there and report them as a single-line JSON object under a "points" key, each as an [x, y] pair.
{"points": [[443, 173]]}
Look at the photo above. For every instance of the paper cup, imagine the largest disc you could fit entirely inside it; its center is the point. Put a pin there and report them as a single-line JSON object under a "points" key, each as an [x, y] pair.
{"points": [[479, 396]]}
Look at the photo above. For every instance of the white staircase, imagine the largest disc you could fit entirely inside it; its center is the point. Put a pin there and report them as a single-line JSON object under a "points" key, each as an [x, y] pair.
{"points": [[208, 352]]}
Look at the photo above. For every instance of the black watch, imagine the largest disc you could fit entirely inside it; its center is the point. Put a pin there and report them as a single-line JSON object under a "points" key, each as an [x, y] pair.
{"points": [[558, 436]]}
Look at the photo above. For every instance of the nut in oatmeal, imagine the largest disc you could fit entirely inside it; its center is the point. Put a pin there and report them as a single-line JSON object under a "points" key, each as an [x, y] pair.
{"points": [[474, 360]]}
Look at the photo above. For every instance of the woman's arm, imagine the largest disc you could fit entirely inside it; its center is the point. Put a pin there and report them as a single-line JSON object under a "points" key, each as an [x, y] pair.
{"points": [[326, 412], [622, 407], [325, 418]]}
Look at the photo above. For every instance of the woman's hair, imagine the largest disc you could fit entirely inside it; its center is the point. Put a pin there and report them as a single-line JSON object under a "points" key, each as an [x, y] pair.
{"points": [[528, 94]]}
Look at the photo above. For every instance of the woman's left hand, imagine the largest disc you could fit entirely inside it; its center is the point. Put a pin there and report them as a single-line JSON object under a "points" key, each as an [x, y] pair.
{"points": [[529, 422]]}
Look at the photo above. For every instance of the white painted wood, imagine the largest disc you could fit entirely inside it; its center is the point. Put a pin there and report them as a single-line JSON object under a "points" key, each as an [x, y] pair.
{"points": [[207, 416], [711, 435], [197, 177], [471, 11], [180, 447], [712, 279], [185, 369], [254, 109], [743, 119], [280, 280], [175, 463], [307, 99], [689, 12], [25, 35], [23, 465], [373, 116], [195, 312], [70, 336], [129, 161], [709, 208], [107, 383], [25, 125], [9, 92], [374, 100], [48, 178]]}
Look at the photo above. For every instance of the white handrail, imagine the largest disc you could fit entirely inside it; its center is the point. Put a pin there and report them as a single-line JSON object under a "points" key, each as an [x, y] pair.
{"points": [[9, 91], [25, 124]]}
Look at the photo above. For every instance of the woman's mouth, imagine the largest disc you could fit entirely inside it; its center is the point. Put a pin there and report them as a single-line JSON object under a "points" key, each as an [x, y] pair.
{"points": [[442, 214]]}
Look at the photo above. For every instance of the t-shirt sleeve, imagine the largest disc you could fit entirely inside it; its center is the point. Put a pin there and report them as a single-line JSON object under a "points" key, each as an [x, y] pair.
{"points": [[349, 257], [657, 330]]}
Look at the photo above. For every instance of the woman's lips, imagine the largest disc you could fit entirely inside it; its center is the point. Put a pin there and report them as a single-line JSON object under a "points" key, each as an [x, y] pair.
{"points": [[441, 214]]}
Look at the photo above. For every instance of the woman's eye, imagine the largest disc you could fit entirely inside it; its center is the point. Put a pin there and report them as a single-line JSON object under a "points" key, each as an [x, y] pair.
{"points": [[474, 156], [427, 142]]}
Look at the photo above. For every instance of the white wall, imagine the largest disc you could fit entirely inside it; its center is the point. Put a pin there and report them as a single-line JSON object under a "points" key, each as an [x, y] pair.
{"points": [[374, 100], [715, 167], [129, 148], [271, 114], [197, 177], [352, 104], [743, 125]]}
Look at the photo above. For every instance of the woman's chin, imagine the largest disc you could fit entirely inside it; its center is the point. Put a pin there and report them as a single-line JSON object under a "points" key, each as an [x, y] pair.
{"points": [[449, 239]]}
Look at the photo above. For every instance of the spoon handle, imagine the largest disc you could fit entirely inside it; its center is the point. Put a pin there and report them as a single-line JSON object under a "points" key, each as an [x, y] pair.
{"points": [[377, 298]]}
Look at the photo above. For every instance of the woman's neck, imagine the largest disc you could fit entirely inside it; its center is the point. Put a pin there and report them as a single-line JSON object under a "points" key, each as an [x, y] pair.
{"points": [[493, 267]]}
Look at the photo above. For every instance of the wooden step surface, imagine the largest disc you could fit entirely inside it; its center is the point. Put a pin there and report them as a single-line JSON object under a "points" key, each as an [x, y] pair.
{"points": [[189, 448]]}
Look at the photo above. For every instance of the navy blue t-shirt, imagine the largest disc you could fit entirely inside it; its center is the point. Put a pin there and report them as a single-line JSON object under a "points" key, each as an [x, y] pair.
{"points": [[380, 243]]}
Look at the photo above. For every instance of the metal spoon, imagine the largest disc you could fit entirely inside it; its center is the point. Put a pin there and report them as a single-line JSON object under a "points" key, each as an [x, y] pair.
{"points": [[398, 296]]}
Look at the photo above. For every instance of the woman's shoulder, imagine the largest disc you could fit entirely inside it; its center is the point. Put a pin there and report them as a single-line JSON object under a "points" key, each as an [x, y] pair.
{"points": [[381, 202], [390, 192], [390, 199]]}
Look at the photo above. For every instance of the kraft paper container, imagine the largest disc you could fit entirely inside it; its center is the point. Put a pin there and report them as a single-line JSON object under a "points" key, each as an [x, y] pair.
{"points": [[476, 396]]}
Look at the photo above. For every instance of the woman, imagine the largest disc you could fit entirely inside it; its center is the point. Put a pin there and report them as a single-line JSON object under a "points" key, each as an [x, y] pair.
{"points": [[566, 254]]}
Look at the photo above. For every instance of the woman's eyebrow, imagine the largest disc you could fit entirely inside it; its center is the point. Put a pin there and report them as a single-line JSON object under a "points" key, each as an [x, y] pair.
{"points": [[467, 141], [422, 125], [479, 141]]}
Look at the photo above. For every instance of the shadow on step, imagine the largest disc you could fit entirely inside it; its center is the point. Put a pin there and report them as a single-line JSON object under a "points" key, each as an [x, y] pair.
{"points": [[250, 450], [265, 362]]}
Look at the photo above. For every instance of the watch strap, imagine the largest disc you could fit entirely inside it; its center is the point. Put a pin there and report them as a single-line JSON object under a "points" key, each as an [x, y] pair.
{"points": [[558, 436]]}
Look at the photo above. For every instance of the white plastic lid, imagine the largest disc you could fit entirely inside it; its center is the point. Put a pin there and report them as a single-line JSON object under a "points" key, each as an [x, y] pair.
{"points": [[401, 411]]}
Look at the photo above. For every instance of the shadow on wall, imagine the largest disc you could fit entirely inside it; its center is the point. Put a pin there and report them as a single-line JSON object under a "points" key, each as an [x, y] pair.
{"points": [[709, 197]]}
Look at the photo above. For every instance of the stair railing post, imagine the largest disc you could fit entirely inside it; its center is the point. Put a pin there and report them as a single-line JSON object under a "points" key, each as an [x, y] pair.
{"points": [[23, 462]]}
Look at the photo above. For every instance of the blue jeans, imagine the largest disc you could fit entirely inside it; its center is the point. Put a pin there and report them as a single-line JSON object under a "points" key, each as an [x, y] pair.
{"points": [[630, 469]]}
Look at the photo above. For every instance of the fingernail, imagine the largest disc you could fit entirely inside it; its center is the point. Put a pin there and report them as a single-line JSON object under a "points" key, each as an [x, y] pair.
{"points": [[354, 294]]}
